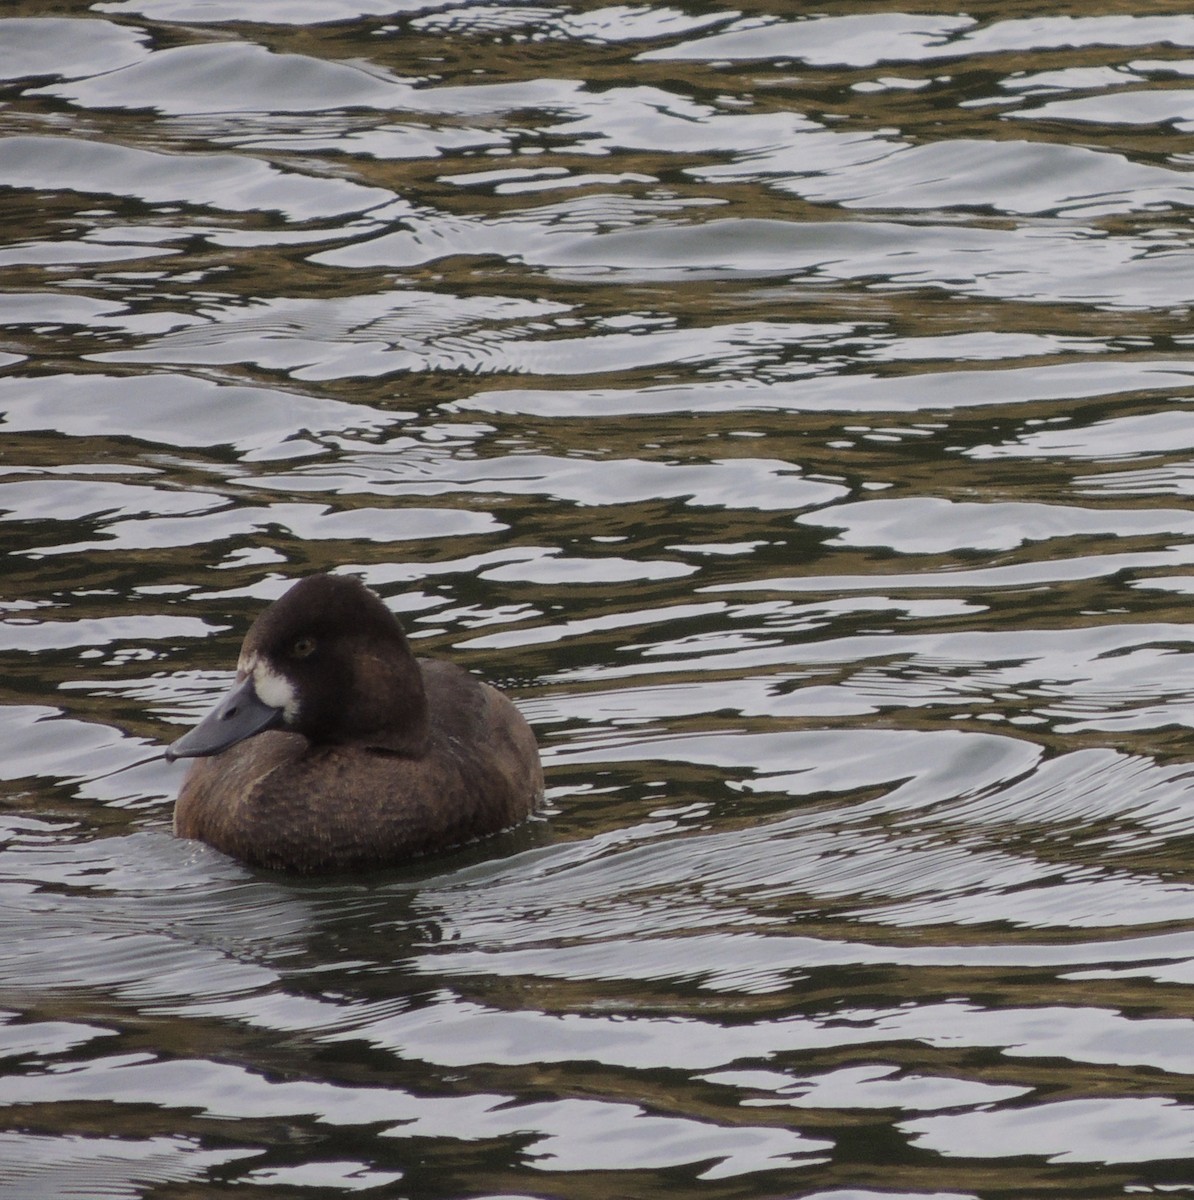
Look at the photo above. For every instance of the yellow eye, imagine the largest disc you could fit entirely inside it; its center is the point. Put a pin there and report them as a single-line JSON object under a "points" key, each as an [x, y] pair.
{"points": [[303, 648]]}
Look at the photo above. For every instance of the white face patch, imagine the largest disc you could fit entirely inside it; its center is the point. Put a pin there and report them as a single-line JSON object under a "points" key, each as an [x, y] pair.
{"points": [[274, 689]]}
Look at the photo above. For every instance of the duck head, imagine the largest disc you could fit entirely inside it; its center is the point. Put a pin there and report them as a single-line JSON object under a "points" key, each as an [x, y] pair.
{"points": [[328, 660]]}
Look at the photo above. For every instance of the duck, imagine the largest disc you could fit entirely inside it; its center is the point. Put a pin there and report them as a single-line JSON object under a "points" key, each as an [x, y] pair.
{"points": [[336, 749]]}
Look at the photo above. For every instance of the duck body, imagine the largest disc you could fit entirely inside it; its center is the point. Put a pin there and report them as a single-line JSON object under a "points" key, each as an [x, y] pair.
{"points": [[337, 749]]}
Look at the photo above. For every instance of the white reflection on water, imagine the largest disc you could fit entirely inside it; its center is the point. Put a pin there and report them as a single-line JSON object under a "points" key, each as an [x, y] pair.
{"points": [[1126, 1130], [849, 395], [222, 181], [176, 412], [66, 47]]}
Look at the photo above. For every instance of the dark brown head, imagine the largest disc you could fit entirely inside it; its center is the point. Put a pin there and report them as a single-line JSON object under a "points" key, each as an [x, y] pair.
{"points": [[327, 660]]}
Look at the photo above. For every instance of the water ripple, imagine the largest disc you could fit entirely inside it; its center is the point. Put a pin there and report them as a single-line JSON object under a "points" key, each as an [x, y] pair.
{"points": [[790, 411]]}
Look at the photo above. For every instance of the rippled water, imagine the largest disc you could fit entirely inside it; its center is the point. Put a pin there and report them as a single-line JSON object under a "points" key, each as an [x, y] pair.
{"points": [[792, 410]]}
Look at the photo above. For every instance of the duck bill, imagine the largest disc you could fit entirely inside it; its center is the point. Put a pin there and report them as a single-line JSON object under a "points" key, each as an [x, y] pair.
{"points": [[240, 715]]}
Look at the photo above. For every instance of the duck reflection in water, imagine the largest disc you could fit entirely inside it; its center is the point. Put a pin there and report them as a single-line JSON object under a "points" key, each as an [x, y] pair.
{"points": [[338, 749]]}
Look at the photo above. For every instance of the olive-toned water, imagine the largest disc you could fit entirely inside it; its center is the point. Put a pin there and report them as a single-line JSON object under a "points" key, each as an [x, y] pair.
{"points": [[792, 409]]}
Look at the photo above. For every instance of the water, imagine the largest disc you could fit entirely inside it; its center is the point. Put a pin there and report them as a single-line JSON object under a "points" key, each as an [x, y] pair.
{"points": [[792, 410]]}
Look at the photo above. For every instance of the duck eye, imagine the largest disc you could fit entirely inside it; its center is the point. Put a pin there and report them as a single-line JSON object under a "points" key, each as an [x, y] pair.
{"points": [[303, 648]]}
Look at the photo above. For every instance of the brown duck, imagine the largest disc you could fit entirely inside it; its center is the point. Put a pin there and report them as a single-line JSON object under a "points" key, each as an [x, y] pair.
{"points": [[337, 749]]}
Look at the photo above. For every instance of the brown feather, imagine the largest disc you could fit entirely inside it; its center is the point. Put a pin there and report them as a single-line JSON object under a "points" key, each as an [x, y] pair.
{"points": [[458, 764]]}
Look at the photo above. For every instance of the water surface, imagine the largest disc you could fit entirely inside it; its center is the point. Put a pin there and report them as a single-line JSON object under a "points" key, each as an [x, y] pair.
{"points": [[789, 409]]}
